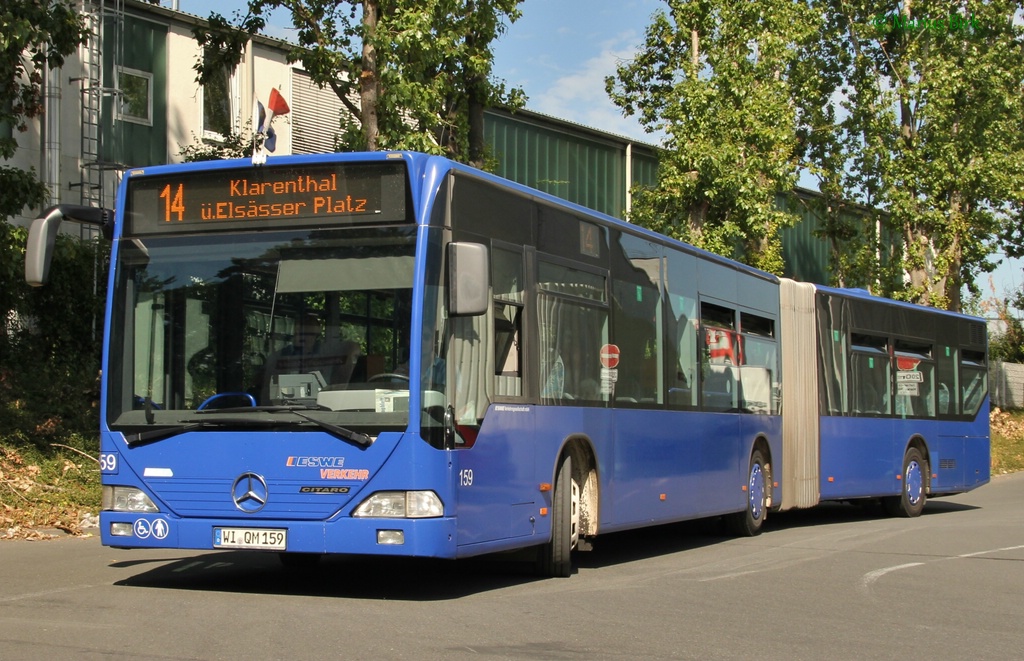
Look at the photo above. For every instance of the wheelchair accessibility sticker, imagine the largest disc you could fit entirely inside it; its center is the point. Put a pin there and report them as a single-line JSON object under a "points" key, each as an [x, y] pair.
{"points": [[157, 528]]}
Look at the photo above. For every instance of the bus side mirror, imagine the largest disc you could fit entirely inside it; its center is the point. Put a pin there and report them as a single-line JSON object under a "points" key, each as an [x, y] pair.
{"points": [[468, 279], [42, 236]]}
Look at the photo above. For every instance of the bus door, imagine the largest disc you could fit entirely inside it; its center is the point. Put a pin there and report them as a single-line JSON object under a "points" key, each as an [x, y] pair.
{"points": [[495, 441], [721, 360]]}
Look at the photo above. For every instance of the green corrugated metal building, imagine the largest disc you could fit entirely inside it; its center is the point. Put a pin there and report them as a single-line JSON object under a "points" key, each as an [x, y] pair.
{"points": [[597, 170]]}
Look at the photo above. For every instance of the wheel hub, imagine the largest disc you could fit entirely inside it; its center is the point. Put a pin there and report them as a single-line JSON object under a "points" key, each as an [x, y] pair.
{"points": [[756, 489], [914, 482]]}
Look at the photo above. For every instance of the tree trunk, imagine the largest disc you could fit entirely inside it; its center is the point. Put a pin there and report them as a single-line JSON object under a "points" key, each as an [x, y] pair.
{"points": [[476, 90], [368, 78], [477, 145]]}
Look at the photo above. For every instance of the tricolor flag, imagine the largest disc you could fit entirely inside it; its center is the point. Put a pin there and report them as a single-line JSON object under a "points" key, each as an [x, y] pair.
{"points": [[262, 118]]}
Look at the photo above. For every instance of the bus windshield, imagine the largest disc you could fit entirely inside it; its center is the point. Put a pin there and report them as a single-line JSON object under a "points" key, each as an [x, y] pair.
{"points": [[316, 320]]}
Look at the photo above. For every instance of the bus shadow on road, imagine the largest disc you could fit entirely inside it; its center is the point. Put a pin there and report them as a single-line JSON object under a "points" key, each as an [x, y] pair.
{"points": [[407, 579], [415, 579], [847, 512], [336, 576]]}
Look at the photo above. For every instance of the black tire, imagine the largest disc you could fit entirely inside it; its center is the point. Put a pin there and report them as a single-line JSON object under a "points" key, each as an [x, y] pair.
{"points": [[555, 558], [913, 488], [748, 523]]}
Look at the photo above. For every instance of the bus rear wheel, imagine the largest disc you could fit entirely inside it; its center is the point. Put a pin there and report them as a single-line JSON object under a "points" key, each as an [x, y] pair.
{"points": [[913, 493], [555, 557], [748, 522]]}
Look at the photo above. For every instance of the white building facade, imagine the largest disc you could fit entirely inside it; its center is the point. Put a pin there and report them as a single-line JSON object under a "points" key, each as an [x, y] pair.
{"points": [[128, 98]]}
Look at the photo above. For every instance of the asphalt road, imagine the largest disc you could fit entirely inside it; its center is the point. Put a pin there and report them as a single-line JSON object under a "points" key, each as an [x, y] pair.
{"points": [[831, 583]]}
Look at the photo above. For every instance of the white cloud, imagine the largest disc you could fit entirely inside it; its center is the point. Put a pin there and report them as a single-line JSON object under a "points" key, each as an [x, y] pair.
{"points": [[580, 96]]}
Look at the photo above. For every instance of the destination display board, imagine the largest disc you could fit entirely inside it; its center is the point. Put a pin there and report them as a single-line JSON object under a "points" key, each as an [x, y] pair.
{"points": [[321, 194]]}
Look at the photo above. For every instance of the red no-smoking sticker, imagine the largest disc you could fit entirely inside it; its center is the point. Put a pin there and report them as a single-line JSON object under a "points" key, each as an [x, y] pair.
{"points": [[610, 356]]}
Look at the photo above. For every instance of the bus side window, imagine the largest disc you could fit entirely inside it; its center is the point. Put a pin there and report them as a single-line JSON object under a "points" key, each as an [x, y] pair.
{"points": [[946, 365], [974, 378], [759, 374], [636, 320], [508, 370], [507, 289], [681, 366], [870, 386], [572, 323], [721, 356]]}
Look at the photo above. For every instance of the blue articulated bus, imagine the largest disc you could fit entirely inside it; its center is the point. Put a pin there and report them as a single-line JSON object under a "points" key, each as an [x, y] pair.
{"points": [[395, 354]]}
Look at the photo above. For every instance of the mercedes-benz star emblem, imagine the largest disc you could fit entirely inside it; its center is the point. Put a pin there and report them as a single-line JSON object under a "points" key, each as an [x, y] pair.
{"points": [[249, 492]]}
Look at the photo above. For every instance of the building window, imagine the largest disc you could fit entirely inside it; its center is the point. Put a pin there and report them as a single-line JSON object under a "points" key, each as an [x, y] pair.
{"points": [[218, 96], [136, 96]]}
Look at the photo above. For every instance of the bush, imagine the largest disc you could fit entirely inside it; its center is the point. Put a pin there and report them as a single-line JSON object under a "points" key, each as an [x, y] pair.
{"points": [[50, 344], [1007, 441]]}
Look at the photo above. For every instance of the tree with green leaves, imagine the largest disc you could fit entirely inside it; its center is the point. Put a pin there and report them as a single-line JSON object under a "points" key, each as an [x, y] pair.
{"points": [[48, 368], [33, 35], [714, 76], [913, 109], [923, 110], [412, 75]]}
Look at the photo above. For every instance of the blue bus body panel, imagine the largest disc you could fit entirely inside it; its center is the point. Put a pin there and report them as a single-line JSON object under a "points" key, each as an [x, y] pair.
{"points": [[650, 469], [499, 491], [858, 457], [190, 478], [863, 457], [423, 537]]}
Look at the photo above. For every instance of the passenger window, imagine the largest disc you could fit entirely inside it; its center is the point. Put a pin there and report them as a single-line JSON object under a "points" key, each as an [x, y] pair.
{"points": [[974, 376], [507, 284], [681, 325], [508, 370], [636, 322], [721, 354], [915, 379], [948, 380], [572, 318], [870, 375], [759, 387]]}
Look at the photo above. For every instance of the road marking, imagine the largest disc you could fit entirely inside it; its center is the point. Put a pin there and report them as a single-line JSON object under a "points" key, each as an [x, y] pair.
{"points": [[44, 593], [869, 578], [872, 576], [977, 553]]}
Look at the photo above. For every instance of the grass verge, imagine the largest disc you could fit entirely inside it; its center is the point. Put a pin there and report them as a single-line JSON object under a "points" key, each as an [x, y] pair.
{"points": [[45, 492]]}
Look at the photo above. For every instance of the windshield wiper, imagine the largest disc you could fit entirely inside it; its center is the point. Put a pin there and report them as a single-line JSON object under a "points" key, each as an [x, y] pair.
{"points": [[153, 435], [341, 432], [297, 409]]}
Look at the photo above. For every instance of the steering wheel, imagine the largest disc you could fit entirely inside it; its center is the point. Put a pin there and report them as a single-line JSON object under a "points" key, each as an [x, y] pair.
{"points": [[226, 400], [388, 376]]}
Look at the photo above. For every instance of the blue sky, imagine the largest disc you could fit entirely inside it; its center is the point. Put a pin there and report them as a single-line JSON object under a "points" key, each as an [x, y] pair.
{"points": [[560, 52]]}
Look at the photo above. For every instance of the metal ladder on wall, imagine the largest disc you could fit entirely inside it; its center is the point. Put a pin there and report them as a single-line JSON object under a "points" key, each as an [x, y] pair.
{"points": [[93, 166]]}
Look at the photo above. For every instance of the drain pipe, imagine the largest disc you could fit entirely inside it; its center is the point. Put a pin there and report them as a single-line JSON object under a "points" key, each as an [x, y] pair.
{"points": [[50, 155]]}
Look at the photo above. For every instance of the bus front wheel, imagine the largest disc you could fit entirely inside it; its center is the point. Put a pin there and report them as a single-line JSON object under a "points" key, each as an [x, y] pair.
{"points": [[748, 522], [913, 492], [555, 557]]}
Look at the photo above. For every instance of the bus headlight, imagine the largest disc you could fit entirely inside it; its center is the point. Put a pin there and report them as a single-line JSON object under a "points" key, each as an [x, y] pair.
{"points": [[126, 499], [401, 505]]}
